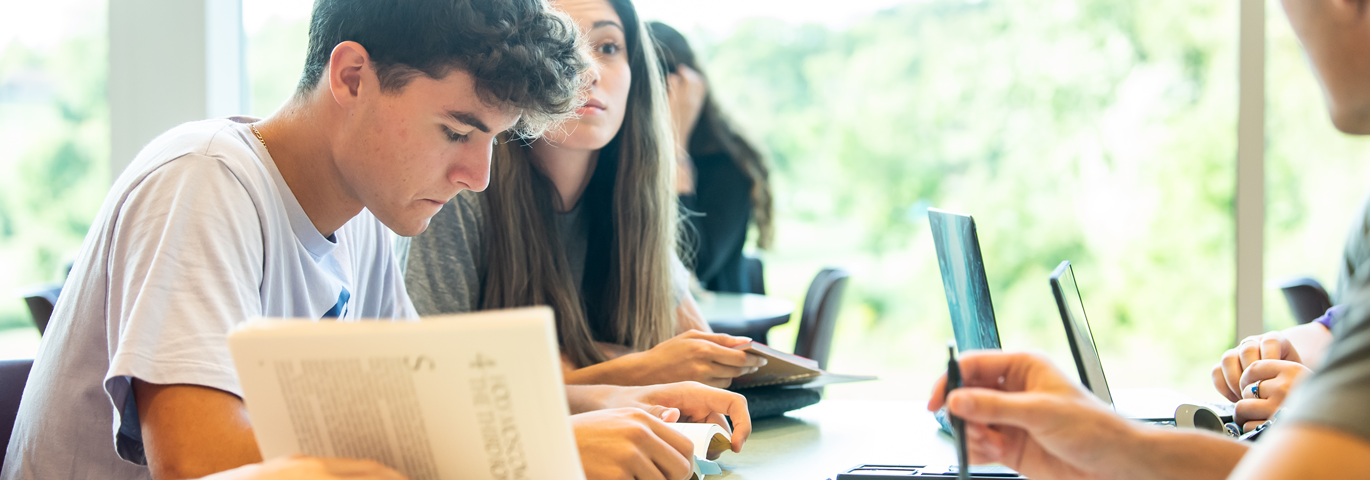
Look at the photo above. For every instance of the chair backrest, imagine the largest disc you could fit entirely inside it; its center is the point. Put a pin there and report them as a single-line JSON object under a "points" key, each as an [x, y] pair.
{"points": [[41, 299], [13, 375], [1306, 298], [818, 319], [756, 277]]}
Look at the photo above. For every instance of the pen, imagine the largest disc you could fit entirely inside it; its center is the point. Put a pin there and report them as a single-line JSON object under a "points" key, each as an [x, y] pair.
{"points": [[954, 382]]}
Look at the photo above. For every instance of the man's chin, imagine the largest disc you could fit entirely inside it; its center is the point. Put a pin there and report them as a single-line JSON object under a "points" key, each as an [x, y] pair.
{"points": [[406, 227]]}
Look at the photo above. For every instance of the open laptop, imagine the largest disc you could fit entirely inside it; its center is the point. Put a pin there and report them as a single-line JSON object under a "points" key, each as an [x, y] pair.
{"points": [[963, 277], [1148, 404]]}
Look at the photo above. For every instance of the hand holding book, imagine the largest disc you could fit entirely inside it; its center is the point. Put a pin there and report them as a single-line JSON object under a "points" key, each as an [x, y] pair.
{"points": [[708, 358]]}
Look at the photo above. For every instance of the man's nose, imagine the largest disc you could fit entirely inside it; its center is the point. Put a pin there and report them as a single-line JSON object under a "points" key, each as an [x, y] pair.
{"points": [[472, 167]]}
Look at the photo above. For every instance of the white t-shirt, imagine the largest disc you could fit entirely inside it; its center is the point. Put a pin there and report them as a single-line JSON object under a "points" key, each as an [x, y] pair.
{"points": [[199, 234]]}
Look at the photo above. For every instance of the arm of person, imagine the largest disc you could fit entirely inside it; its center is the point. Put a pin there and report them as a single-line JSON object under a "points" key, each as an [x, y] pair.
{"points": [[688, 317], [191, 431], [1023, 412], [1301, 450], [297, 467], [708, 358], [685, 90], [1310, 340]]}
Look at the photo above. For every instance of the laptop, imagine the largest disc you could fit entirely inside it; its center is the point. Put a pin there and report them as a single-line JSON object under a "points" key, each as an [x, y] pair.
{"points": [[1146, 404], [963, 278]]}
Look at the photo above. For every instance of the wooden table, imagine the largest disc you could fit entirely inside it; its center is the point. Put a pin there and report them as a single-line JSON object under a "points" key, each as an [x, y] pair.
{"points": [[745, 314], [818, 442]]}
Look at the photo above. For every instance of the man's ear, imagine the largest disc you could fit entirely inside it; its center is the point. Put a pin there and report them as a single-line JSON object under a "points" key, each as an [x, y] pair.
{"points": [[347, 70]]}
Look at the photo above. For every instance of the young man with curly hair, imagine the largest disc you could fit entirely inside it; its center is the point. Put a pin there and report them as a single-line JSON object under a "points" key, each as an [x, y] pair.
{"points": [[218, 221]]}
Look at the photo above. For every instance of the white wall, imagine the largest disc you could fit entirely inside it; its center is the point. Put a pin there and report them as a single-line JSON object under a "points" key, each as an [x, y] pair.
{"points": [[171, 61]]}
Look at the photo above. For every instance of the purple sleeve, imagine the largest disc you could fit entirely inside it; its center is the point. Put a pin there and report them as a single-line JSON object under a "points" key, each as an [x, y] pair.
{"points": [[1330, 318]]}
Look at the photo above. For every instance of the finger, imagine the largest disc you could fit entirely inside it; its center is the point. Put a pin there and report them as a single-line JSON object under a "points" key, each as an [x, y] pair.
{"points": [[718, 419], [1011, 371], [1252, 425], [666, 414], [1220, 384], [1254, 409], [755, 361], [1271, 349], [719, 338], [725, 355], [1249, 353], [728, 403], [983, 443], [984, 368], [718, 382], [673, 442], [644, 466], [719, 370], [1263, 370], [939, 388], [1029, 411], [1232, 371]]}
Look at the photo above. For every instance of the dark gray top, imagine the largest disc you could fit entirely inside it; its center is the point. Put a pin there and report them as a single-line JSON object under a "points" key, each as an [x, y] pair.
{"points": [[445, 265], [1338, 395]]}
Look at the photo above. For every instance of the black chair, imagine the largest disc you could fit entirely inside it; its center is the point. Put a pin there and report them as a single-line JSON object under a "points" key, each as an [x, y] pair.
{"points": [[1306, 297], [13, 375], [756, 278], [41, 299], [818, 320]]}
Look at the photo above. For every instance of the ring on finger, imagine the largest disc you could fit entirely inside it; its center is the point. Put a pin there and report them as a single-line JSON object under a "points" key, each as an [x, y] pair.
{"points": [[1256, 389]]}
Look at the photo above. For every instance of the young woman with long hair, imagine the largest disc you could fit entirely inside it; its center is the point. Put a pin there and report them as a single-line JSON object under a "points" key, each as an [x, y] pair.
{"points": [[727, 183], [584, 220]]}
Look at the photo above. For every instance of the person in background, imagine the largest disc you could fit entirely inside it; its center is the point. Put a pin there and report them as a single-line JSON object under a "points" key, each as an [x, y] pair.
{"points": [[584, 220], [1022, 411], [723, 182], [1277, 361], [219, 221]]}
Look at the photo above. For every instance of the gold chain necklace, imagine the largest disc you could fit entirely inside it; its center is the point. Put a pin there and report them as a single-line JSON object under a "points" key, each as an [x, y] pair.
{"points": [[253, 126]]}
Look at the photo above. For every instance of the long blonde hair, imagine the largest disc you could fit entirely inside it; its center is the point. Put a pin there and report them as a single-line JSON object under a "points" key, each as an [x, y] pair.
{"points": [[632, 215]]}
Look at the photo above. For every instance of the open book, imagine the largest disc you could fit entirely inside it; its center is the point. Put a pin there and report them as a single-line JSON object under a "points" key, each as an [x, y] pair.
{"points": [[783, 369], [706, 438], [475, 396]]}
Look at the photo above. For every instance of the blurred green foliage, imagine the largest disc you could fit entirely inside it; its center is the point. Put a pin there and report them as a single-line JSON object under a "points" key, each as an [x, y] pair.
{"points": [[54, 171], [1096, 131]]}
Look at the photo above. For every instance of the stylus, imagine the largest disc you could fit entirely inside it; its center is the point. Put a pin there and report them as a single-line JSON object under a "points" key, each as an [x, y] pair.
{"points": [[954, 382]]}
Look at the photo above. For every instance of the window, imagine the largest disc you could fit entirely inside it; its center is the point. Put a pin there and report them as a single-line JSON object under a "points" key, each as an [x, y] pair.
{"points": [[54, 169]]}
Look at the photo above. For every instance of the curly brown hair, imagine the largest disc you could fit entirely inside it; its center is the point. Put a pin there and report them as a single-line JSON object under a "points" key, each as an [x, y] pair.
{"points": [[522, 53]]}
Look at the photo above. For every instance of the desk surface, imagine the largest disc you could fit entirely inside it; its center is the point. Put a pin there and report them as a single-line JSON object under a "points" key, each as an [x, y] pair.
{"points": [[818, 442]]}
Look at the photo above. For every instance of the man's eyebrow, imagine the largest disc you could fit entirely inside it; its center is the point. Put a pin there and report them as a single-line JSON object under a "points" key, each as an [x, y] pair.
{"points": [[468, 119], [606, 23]]}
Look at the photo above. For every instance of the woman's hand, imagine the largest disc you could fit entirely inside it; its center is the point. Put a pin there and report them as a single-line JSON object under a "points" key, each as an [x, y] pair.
{"points": [[630, 443], [686, 90], [307, 468], [707, 358], [1277, 378], [1227, 374], [690, 402]]}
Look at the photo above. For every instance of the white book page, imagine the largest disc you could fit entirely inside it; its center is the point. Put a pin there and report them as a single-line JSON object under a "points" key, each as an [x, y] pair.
{"points": [[476, 396]]}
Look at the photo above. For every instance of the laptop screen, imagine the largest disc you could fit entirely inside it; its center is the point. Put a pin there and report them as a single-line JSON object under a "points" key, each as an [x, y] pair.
{"points": [[1072, 309], [963, 278]]}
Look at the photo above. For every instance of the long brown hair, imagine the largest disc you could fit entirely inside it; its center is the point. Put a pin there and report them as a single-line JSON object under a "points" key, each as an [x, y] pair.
{"points": [[714, 133], [631, 211]]}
